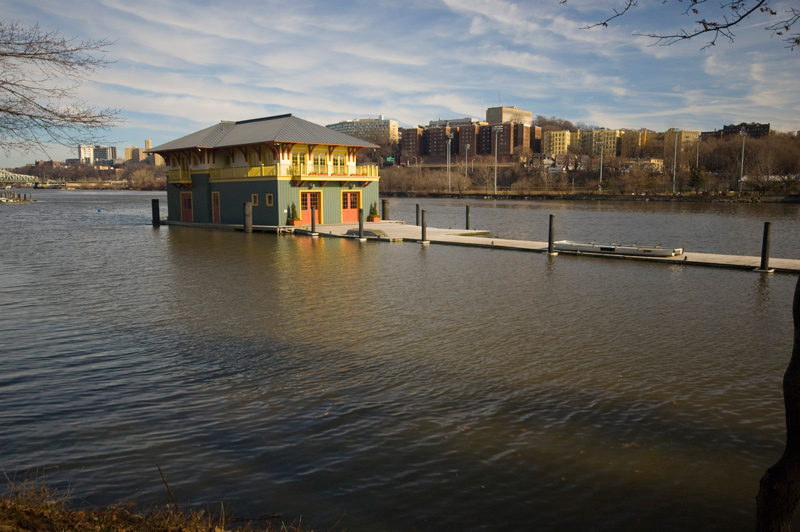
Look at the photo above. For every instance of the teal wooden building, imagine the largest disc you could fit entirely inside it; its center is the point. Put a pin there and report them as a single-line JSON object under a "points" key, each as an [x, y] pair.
{"points": [[274, 163]]}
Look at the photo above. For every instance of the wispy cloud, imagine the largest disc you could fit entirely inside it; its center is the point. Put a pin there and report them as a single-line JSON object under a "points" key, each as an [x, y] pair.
{"points": [[184, 65]]}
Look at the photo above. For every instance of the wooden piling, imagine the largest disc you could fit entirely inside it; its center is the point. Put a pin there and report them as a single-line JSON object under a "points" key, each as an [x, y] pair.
{"points": [[550, 244], [156, 213], [384, 209], [424, 228], [361, 223], [765, 244], [313, 220], [417, 215], [467, 217], [248, 217]]}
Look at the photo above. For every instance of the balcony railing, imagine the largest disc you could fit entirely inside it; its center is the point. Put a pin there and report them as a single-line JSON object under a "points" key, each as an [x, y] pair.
{"points": [[241, 172], [180, 176], [295, 171], [298, 170], [366, 171]]}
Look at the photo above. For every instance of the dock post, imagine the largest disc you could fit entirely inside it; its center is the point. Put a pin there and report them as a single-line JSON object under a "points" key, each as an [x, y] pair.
{"points": [[467, 217], [417, 215], [550, 247], [361, 224], [424, 229], [313, 220], [248, 217], [156, 213], [385, 209], [765, 249]]}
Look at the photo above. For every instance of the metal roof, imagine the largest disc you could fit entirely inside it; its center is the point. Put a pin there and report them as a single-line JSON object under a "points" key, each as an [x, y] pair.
{"points": [[282, 128]]}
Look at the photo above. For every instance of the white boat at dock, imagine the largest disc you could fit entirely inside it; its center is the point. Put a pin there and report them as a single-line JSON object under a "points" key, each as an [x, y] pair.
{"points": [[616, 249]]}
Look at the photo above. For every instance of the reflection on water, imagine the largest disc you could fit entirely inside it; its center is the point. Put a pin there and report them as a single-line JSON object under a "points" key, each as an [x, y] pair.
{"points": [[386, 386]]}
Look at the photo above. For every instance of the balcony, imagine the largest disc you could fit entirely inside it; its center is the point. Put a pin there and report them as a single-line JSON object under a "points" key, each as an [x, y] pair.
{"points": [[180, 177], [297, 172], [242, 172], [302, 172]]}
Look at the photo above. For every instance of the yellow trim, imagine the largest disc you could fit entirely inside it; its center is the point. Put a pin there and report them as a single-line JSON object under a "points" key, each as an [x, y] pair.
{"points": [[248, 179], [360, 196], [321, 200]]}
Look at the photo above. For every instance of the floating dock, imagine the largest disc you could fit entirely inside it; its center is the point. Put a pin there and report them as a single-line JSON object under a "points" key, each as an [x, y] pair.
{"points": [[391, 231], [400, 232]]}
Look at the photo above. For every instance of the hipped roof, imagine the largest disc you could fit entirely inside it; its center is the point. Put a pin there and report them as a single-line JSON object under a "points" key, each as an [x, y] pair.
{"points": [[283, 128]]}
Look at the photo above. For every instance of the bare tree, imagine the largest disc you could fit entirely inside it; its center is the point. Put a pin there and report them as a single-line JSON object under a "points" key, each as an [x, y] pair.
{"points": [[779, 493], [732, 13], [40, 73]]}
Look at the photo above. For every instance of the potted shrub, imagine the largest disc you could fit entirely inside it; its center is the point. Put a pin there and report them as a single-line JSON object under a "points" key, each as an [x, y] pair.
{"points": [[293, 219], [373, 213]]}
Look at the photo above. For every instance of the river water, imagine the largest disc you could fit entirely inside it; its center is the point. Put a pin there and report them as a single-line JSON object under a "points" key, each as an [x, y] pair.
{"points": [[391, 386]]}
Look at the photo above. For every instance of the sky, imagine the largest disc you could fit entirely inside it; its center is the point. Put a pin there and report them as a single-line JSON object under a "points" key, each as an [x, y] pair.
{"points": [[180, 66]]}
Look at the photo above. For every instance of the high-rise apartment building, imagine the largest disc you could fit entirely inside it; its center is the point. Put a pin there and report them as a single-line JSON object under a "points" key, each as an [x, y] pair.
{"points": [[88, 154], [678, 139], [501, 115], [555, 142], [371, 129], [753, 130], [411, 142]]}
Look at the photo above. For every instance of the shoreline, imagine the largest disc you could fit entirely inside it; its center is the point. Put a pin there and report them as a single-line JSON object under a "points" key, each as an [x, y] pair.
{"points": [[508, 195], [703, 198]]}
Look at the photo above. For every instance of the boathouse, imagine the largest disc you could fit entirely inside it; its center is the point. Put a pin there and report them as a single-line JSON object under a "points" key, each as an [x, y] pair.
{"points": [[274, 163]]}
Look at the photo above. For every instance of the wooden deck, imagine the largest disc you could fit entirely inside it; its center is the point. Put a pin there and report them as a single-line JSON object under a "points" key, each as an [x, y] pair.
{"points": [[389, 231], [399, 232]]}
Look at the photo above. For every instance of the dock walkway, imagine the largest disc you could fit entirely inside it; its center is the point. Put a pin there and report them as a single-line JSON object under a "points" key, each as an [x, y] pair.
{"points": [[389, 231]]}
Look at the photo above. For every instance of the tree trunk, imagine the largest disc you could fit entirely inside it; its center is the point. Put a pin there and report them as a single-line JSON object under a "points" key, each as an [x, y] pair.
{"points": [[780, 486]]}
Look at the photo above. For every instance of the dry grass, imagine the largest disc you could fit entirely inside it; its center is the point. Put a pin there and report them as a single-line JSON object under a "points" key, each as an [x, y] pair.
{"points": [[32, 507]]}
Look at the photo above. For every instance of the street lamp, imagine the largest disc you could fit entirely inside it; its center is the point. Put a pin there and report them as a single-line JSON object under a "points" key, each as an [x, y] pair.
{"points": [[602, 149], [497, 130], [675, 161], [449, 141], [697, 154], [743, 133], [466, 163]]}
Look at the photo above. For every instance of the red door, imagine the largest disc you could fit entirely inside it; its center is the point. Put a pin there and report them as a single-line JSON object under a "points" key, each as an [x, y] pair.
{"points": [[215, 217], [308, 201], [350, 206], [186, 207]]}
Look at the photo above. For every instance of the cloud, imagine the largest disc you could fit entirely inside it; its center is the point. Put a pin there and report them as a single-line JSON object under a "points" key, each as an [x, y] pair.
{"points": [[185, 65]]}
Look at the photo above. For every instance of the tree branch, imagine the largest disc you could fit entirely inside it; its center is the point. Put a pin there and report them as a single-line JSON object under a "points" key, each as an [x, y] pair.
{"points": [[40, 74], [734, 12]]}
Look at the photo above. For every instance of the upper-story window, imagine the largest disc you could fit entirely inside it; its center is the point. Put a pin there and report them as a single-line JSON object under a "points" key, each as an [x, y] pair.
{"points": [[298, 162], [339, 166], [320, 164]]}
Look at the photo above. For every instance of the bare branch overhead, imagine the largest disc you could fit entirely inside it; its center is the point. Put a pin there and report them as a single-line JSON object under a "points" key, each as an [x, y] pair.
{"points": [[40, 74], [719, 19]]}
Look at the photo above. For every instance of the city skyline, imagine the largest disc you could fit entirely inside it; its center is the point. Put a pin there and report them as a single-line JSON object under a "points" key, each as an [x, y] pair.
{"points": [[177, 69]]}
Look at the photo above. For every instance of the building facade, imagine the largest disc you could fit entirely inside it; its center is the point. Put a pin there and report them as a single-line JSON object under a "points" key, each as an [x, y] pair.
{"points": [[753, 130], [371, 129], [279, 164], [556, 142], [502, 115]]}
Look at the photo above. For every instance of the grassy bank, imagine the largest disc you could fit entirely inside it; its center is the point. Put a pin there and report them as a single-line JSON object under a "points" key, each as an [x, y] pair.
{"points": [[32, 507]]}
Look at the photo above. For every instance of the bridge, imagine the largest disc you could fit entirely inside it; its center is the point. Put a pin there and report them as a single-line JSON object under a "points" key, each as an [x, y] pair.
{"points": [[9, 178]]}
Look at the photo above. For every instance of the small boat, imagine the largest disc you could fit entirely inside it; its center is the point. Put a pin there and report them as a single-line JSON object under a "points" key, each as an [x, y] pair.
{"points": [[616, 249]]}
